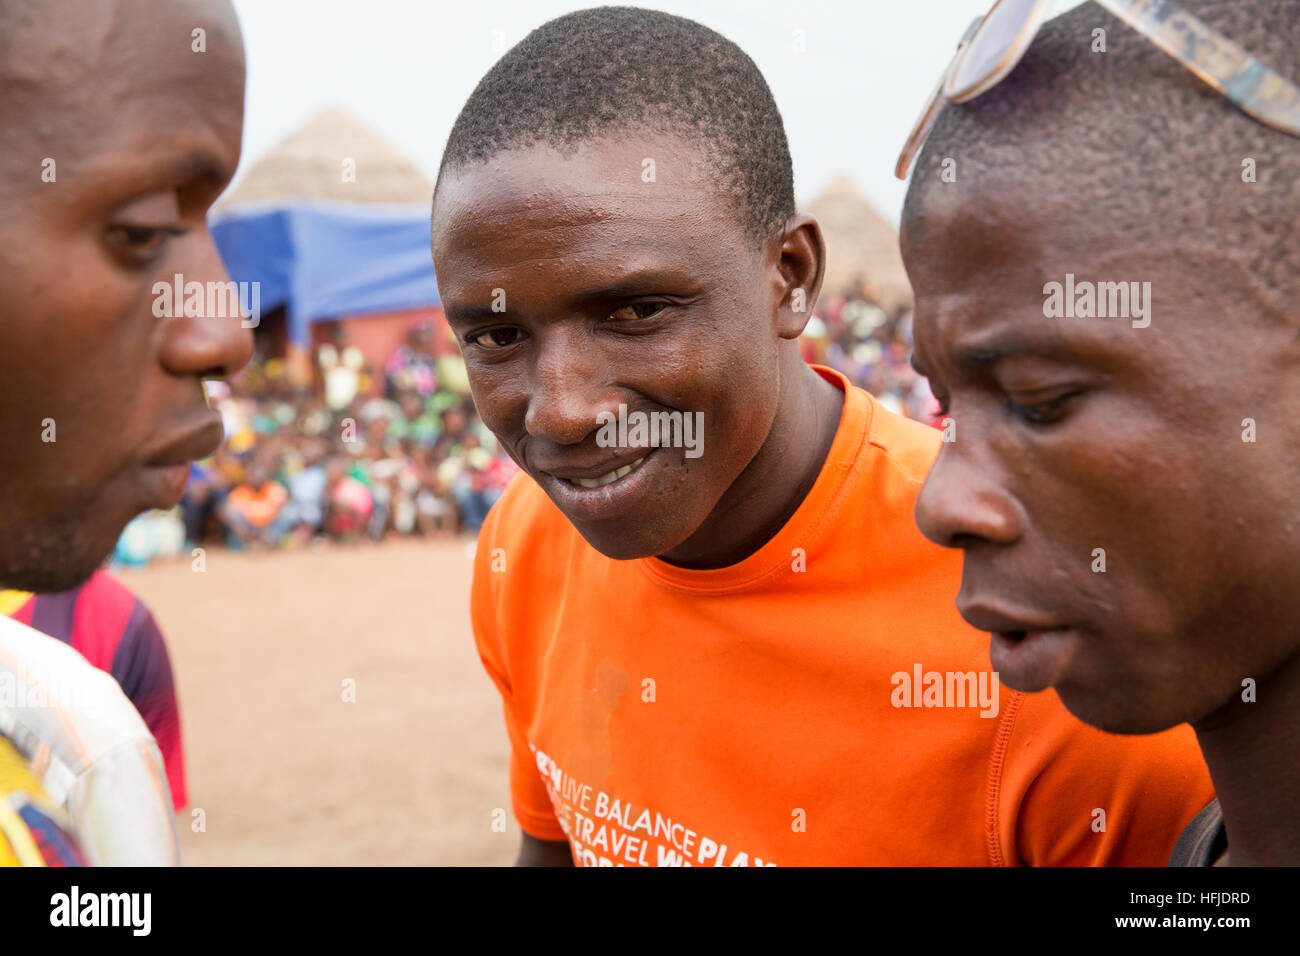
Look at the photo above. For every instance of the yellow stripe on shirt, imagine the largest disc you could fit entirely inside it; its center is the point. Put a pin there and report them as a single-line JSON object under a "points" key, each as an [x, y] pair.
{"points": [[11, 601]]}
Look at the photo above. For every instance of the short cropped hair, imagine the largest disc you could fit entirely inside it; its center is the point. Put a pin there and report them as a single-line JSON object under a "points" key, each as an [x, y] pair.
{"points": [[609, 70]]}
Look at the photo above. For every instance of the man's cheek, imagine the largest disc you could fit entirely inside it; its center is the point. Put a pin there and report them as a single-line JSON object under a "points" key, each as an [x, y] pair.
{"points": [[502, 428], [500, 404]]}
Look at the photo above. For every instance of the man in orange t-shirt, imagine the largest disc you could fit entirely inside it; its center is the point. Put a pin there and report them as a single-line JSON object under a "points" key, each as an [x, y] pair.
{"points": [[719, 638], [255, 512]]}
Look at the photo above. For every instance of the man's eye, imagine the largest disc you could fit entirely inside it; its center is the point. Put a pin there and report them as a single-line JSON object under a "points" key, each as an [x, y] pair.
{"points": [[636, 310], [493, 339], [1041, 413], [140, 242]]}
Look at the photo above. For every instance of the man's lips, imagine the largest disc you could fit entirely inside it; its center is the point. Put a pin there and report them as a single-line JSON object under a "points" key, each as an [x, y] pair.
{"points": [[591, 472], [608, 478], [602, 490], [986, 617], [167, 466], [1030, 652], [190, 445]]}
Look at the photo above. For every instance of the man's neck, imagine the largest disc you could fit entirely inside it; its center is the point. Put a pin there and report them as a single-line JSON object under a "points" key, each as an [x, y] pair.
{"points": [[775, 483], [1253, 752]]}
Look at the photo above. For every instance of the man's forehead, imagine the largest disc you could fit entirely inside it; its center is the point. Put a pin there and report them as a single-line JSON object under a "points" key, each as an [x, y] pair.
{"points": [[554, 262], [587, 180], [956, 234], [999, 273], [630, 192]]}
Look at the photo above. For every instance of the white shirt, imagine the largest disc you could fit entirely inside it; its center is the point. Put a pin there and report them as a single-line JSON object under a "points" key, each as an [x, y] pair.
{"points": [[89, 747]]}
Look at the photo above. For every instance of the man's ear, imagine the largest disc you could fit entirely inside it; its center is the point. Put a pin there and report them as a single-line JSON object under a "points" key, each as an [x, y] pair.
{"points": [[801, 267]]}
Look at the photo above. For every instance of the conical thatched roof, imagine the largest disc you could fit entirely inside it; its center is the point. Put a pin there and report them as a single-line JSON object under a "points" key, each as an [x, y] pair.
{"points": [[860, 243], [309, 164]]}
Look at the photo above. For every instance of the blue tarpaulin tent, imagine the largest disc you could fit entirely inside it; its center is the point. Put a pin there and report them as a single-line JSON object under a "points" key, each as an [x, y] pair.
{"points": [[323, 260]]}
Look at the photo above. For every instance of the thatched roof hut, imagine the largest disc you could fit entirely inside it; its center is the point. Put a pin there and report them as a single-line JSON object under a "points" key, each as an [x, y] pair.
{"points": [[333, 225], [333, 157]]}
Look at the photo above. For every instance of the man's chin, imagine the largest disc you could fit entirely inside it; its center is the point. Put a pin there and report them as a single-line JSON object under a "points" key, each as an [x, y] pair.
{"points": [[49, 580], [50, 563], [1117, 713], [623, 544]]}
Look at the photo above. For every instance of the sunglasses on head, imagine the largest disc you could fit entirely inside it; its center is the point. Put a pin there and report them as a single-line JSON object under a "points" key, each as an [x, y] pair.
{"points": [[994, 43]]}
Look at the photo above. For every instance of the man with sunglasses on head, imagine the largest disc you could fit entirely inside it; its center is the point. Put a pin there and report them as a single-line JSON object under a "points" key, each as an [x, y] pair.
{"points": [[740, 652], [1122, 485]]}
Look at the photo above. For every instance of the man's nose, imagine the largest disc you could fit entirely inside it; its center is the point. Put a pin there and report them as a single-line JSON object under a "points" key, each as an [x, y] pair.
{"points": [[961, 502], [568, 390], [216, 343]]}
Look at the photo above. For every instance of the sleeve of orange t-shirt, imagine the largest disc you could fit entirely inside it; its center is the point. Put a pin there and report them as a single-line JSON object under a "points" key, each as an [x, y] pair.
{"points": [[1072, 795], [532, 807]]}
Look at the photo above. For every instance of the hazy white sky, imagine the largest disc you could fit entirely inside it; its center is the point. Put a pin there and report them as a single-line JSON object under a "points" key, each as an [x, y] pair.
{"points": [[405, 68]]}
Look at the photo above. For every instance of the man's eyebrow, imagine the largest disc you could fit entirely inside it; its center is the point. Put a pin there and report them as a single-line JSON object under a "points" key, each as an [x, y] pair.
{"points": [[198, 166], [470, 313], [997, 348], [643, 282], [625, 287], [971, 358]]}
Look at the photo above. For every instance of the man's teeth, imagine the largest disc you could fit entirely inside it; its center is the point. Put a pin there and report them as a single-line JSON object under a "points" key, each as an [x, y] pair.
{"points": [[609, 476]]}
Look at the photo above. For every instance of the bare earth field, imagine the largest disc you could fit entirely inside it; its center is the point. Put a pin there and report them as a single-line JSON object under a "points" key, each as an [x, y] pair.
{"points": [[288, 773]]}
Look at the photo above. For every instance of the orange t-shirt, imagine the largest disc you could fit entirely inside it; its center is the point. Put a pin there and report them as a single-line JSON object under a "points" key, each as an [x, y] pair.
{"points": [[259, 506], [786, 709]]}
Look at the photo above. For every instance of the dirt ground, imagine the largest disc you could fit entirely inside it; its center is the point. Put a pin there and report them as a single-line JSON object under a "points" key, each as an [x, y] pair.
{"points": [[286, 771]]}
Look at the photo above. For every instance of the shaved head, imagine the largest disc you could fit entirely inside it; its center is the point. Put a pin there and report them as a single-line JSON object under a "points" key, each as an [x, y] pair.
{"points": [[120, 123], [51, 50]]}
